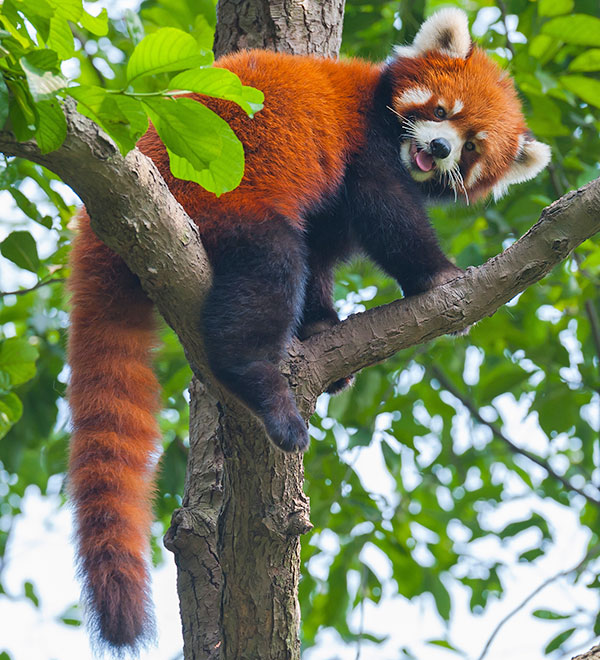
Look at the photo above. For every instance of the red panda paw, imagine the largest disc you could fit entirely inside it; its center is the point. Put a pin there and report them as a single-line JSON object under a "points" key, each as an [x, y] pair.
{"points": [[287, 431]]}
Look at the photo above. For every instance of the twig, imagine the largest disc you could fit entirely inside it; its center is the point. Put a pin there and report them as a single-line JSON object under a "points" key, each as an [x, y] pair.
{"points": [[41, 283], [509, 45], [472, 408], [588, 556]]}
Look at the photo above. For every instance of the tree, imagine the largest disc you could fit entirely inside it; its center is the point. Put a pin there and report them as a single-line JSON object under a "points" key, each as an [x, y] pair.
{"points": [[264, 529]]}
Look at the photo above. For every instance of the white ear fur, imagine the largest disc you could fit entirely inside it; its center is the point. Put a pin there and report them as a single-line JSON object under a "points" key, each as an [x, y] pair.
{"points": [[447, 31], [530, 160]]}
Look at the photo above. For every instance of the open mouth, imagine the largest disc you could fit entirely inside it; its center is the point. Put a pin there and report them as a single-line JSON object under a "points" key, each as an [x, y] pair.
{"points": [[421, 158]]}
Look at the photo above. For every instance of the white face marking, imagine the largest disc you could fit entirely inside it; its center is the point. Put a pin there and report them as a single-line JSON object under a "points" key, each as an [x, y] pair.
{"points": [[426, 131], [482, 135], [457, 107], [414, 96], [474, 174]]}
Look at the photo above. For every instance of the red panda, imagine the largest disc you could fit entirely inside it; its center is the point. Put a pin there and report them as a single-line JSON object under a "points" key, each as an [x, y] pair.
{"points": [[344, 157]]}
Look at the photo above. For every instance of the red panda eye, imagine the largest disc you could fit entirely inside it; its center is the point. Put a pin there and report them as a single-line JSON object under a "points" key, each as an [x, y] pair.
{"points": [[469, 146], [439, 112]]}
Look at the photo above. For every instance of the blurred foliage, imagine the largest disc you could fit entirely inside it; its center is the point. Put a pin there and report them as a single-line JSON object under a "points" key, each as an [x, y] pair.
{"points": [[436, 416]]}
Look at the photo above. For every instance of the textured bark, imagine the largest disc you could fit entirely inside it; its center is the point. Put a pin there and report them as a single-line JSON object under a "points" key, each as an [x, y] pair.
{"points": [[288, 26], [134, 213], [192, 535], [264, 509], [592, 654]]}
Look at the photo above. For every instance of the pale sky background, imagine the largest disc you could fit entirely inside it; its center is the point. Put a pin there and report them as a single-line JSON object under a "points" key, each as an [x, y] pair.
{"points": [[40, 551]]}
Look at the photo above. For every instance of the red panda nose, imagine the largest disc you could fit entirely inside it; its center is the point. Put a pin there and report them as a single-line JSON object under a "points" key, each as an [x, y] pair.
{"points": [[440, 147]]}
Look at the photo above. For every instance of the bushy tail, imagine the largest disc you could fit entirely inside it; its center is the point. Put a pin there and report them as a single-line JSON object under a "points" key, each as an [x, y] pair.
{"points": [[113, 396]]}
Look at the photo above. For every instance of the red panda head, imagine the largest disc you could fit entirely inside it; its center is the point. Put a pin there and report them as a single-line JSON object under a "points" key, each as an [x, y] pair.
{"points": [[462, 125]]}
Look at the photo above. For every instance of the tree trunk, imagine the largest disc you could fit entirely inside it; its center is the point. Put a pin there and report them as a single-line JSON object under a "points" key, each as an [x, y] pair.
{"points": [[236, 538]]}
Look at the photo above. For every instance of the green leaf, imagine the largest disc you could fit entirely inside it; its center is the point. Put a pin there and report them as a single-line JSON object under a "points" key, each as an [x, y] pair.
{"points": [[71, 616], [52, 125], [44, 59], [222, 84], [558, 641], [97, 25], [20, 248], [60, 38], [518, 526], [25, 204], [201, 146], [121, 116], [11, 410], [21, 110], [555, 7], [41, 8], [17, 359], [587, 61], [549, 615], [503, 378], [3, 102], [167, 49], [531, 555], [30, 594], [588, 89], [70, 10], [444, 643], [580, 29], [43, 85], [442, 599]]}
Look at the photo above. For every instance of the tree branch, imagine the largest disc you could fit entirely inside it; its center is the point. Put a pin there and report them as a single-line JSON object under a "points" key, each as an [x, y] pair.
{"points": [[39, 285], [369, 337], [591, 554], [134, 213], [497, 432], [143, 223]]}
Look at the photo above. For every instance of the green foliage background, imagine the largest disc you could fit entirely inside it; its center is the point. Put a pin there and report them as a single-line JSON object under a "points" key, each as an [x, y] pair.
{"points": [[438, 424]]}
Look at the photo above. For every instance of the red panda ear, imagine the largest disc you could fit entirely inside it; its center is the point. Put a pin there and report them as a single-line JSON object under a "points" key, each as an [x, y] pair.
{"points": [[532, 156], [447, 32]]}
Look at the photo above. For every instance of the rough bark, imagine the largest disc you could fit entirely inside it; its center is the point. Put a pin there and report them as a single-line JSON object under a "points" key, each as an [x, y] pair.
{"points": [[592, 654], [288, 26], [134, 213]]}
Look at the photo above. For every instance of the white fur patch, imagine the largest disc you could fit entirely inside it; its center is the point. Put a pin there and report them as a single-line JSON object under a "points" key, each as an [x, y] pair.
{"points": [[405, 51], [446, 31], [482, 135], [457, 107], [530, 160], [414, 96], [474, 175], [426, 131]]}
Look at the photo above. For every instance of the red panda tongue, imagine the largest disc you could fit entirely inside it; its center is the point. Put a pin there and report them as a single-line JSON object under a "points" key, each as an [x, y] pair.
{"points": [[424, 161]]}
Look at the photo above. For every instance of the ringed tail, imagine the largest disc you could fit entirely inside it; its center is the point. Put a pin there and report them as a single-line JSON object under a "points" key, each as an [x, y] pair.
{"points": [[113, 395]]}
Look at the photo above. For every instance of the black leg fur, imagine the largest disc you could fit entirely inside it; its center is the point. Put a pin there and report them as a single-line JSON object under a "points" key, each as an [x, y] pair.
{"points": [[249, 316]]}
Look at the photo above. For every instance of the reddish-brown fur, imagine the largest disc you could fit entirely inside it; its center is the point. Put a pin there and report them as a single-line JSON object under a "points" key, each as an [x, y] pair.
{"points": [[113, 397], [297, 149], [497, 111]]}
